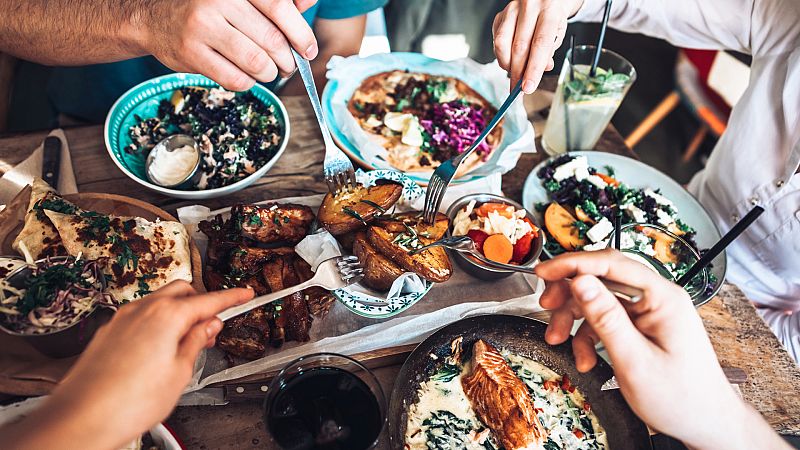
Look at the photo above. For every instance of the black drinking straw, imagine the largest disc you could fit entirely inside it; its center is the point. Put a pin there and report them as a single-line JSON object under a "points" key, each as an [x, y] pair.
{"points": [[599, 47], [617, 229], [720, 245], [572, 57]]}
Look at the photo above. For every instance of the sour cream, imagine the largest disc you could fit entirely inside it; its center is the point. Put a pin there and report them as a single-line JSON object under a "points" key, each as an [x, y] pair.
{"points": [[172, 168]]}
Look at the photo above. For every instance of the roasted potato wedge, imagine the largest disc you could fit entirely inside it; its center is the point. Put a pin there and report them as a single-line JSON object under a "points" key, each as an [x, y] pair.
{"points": [[561, 225], [379, 271], [348, 211], [432, 264], [434, 232]]}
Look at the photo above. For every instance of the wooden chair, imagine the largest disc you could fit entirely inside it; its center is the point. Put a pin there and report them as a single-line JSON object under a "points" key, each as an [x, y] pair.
{"points": [[692, 90], [7, 65]]}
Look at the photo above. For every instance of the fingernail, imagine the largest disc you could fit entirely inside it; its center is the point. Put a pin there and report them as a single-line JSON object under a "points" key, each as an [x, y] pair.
{"points": [[587, 289], [311, 51], [528, 87], [213, 328]]}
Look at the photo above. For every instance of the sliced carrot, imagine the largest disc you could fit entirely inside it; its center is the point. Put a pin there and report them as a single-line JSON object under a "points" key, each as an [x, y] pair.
{"points": [[498, 248], [500, 208], [608, 179]]}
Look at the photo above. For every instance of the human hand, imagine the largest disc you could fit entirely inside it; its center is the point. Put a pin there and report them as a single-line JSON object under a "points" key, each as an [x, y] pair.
{"points": [[527, 33], [662, 357], [133, 372], [233, 42]]}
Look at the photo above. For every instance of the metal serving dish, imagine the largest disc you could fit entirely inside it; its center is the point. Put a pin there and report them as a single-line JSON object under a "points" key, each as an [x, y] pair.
{"points": [[475, 267], [524, 337], [67, 341]]}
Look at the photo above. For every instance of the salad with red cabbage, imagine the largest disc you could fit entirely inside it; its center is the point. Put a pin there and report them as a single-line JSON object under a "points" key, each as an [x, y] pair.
{"points": [[58, 293]]}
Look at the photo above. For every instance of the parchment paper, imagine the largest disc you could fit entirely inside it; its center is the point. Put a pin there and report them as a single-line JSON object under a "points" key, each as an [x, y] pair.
{"points": [[489, 80], [341, 331]]}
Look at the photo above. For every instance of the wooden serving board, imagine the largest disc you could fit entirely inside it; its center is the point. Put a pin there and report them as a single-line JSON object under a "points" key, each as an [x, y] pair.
{"points": [[12, 218], [23, 370]]}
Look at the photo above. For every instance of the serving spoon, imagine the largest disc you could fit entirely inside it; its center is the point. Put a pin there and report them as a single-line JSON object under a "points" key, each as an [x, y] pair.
{"points": [[465, 244]]}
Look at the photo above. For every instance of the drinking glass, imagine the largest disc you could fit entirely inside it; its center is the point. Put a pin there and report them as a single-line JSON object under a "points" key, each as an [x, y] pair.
{"points": [[667, 243], [583, 104], [325, 401]]}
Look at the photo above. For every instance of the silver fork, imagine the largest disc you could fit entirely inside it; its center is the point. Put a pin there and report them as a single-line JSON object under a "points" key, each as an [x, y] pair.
{"points": [[333, 273], [338, 170], [465, 244], [443, 175]]}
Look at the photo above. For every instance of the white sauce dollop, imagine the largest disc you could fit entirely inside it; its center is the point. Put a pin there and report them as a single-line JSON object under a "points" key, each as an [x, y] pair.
{"points": [[171, 168]]}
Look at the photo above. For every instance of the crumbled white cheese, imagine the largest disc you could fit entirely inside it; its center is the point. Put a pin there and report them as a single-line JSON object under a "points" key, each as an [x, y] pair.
{"points": [[597, 181], [602, 245], [450, 93], [664, 218], [660, 199], [407, 124], [636, 213], [578, 167], [372, 121], [600, 230]]}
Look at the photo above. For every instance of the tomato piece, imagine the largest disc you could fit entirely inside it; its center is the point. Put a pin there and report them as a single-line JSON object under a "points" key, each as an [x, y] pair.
{"points": [[500, 208], [578, 433], [479, 237], [522, 248], [587, 407], [566, 385]]}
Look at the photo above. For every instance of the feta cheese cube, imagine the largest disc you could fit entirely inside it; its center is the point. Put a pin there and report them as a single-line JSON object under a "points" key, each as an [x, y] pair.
{"points": [[664, 218], [578, 168], [596, 246], [660, 199], [597, 181], [600, 230], [636, 213]]}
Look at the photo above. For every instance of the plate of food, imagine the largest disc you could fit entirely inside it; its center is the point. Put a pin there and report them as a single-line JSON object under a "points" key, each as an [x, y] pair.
{"points": [[410, 113], [260, 245], [237, 136], [133, 246], [446, 395], [575, 197]]}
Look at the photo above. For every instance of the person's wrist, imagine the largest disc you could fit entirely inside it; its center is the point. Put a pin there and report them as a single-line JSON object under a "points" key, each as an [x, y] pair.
{"points": [[725, 428], [135, 32]]}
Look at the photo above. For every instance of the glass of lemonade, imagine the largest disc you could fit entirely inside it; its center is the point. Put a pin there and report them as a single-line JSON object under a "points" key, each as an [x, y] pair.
{"points": [[583, 104]]}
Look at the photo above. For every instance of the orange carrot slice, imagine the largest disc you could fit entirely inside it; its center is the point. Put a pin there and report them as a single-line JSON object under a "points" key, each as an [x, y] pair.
{"points": [[498, 248], [500, 208]]}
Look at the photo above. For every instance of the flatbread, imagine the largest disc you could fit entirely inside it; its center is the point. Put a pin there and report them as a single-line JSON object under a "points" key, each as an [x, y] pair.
{"points": [[378, 89], [38, 236], [143, 255]]}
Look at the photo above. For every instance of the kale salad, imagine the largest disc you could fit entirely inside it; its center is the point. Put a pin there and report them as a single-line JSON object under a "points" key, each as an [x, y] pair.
{"points": [[584, 201], [237, 133]]}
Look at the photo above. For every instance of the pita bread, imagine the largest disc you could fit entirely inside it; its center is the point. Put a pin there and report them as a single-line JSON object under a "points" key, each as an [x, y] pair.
{"points": [[38, 236], [377, 91], [143, 255]]}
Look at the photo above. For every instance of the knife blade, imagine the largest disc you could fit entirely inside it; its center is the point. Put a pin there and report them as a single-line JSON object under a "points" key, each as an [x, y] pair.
{"points": [[51, 160], [734, 375]]}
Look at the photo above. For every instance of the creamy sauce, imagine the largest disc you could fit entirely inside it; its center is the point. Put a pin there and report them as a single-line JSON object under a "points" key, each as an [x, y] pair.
{"points": [[171, 168], [443, 418]]}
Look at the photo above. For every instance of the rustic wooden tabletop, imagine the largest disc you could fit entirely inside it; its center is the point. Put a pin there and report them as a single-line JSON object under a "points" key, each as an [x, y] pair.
{"points": [[739, 336]]}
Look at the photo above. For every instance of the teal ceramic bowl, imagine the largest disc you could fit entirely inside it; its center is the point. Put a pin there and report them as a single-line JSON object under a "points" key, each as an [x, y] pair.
{"points": [[143, 100]]}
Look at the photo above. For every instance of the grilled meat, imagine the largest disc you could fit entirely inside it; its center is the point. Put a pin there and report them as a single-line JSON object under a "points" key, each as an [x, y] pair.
{"points": [[273, 222], [246, 335], [501, 400]]}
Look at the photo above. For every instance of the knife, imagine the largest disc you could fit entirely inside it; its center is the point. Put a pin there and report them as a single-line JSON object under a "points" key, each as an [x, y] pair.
{"points": [[51, 160], [735, 375]]}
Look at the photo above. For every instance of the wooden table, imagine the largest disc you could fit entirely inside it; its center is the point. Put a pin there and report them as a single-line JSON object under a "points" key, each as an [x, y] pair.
{"points": [[739, 336]]}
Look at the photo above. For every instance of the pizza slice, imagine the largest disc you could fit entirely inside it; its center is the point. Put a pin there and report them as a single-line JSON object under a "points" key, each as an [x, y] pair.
{"points": [[143, 255]]}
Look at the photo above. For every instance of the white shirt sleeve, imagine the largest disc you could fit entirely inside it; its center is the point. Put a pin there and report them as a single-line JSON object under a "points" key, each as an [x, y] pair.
{"points": [[706, 24], [757, 27]]}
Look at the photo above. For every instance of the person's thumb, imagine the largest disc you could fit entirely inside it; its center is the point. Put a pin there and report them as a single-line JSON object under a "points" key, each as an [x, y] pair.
{"points": [[609, 320]]}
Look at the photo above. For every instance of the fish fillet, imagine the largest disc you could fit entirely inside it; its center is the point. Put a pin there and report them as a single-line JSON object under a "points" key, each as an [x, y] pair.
{"points": [[501, 400]]}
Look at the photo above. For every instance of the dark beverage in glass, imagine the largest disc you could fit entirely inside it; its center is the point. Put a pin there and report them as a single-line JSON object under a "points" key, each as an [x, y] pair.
{"points": [[325, 402]]}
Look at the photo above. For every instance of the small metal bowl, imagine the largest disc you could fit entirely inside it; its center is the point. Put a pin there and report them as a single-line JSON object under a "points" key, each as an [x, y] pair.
{"points": [[67, 341], [170, 144], [476, 268]]}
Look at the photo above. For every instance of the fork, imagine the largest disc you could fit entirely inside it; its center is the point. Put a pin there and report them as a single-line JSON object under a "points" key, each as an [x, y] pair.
{"points": [[333, 273], [465, 244], [338, 170], [443, 175]]}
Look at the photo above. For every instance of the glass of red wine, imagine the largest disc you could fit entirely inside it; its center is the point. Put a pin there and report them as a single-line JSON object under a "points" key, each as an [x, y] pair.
{"points": [[325, 401]]}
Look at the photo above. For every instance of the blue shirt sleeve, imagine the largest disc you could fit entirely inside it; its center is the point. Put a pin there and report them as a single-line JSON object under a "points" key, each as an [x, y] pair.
{"points": [[343, 9]]}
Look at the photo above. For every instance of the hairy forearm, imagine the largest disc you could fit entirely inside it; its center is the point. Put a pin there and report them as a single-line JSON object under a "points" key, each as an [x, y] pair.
{"points": [[73, 32]]}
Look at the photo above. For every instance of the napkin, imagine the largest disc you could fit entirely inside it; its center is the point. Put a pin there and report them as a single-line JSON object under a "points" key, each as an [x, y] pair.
{"points": [[23, 173]]}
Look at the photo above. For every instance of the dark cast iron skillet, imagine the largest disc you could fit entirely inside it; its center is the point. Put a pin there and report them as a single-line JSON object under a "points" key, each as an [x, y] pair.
{"points": [[525, 337]]}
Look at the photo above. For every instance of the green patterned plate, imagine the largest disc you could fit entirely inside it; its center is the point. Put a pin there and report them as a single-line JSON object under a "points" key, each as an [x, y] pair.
{"points": [[143, 100], [397, 304]]}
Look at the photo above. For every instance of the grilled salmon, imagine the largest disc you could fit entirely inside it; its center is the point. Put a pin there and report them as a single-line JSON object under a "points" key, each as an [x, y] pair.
{"points": [[501, 400]]}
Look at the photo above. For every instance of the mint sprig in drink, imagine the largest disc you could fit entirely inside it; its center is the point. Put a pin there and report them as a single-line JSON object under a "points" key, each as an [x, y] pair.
{"points": [[584, 104]]}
